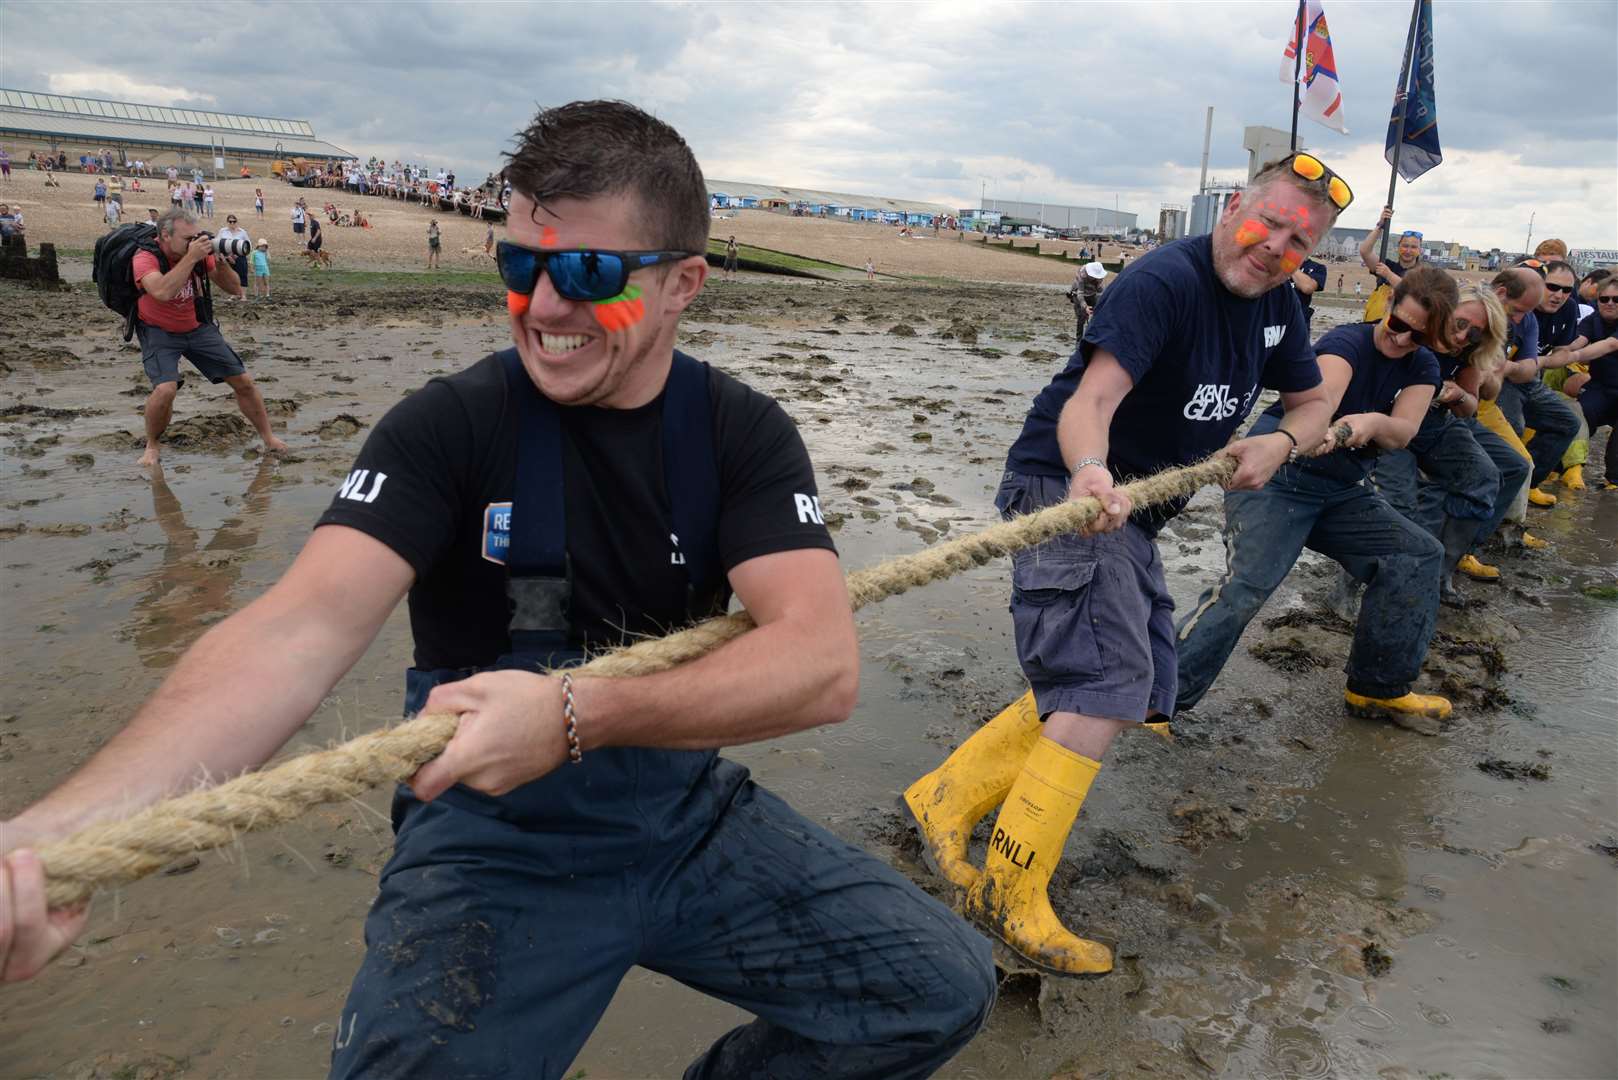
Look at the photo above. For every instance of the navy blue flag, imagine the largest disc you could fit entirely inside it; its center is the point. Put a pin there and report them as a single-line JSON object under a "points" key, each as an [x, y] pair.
{"points": [[1420, 151]]}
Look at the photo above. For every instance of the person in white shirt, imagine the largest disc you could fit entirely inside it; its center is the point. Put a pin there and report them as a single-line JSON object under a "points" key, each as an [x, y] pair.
{"points": [[232, 231]]}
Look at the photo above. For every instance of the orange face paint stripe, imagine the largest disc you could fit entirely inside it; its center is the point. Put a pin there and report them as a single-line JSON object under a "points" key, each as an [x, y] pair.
{"points": [[547, 237], [622, 311], [517, 303], [1291, 261], [1251, 232]]}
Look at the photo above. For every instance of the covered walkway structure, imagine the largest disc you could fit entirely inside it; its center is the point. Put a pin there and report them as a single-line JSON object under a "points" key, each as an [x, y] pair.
{"points": [[157, 134]]}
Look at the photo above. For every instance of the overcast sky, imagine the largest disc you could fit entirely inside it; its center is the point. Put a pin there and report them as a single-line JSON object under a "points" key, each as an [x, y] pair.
{"points": [[1079, 103]]}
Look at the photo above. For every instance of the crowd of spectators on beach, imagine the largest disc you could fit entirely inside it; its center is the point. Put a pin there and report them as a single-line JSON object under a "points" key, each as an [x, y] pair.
{"points": [[414, 183]]}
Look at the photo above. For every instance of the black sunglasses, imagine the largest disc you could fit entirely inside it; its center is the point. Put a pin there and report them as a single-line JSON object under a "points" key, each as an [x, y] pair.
{"points": [[1551, 286], [582, 274], [1397, 325], [1607, 299]]}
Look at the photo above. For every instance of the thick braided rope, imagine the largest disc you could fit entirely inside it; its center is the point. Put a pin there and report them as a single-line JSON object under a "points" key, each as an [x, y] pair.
{"points": [[116, 853]]}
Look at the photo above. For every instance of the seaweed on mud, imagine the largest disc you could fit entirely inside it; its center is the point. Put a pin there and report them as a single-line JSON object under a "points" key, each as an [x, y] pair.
{"points": [[1298, 618], [1202, 824], [1515, 770], [1288, 656], [1488, 653], [1376, 960], [43, 412]]}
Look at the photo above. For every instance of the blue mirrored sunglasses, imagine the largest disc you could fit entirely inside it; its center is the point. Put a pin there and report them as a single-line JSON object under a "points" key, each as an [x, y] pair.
{"points": [[580, 274]]}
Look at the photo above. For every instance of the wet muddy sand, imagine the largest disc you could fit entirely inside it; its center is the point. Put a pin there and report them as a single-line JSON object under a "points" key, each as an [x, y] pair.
{"points": [[1293, 892]]}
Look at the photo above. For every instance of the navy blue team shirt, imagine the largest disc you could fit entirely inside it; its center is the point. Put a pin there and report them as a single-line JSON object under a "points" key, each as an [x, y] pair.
{"points": [[1198, 355], [1522, 343], [1559, 327], [1603, 369], [1377, 379]]}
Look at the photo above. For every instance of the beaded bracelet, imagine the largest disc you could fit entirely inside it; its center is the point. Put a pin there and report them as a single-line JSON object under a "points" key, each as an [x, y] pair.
{"points": [[574, 753]]}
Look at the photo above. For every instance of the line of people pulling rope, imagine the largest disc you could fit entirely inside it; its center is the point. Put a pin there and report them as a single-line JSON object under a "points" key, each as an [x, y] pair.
{"points": [[592, 485]]}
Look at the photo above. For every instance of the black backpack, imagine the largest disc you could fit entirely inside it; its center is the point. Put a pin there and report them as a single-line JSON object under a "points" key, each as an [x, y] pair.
{"points": [[113, 272]]}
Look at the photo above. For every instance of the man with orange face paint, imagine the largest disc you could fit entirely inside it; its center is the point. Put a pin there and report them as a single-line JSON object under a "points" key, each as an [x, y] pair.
{"points": [[1387, 275], [585, 488], [1170, 365]]}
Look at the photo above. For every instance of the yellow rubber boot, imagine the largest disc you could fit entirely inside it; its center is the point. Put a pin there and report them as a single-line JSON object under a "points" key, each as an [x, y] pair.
{"points": [[1552, 477], [1534, 543], [1418, 712], [950, 800], [1478, 571], [1537, 497], [1573, 478], [1010, 899], [1160, 728]]}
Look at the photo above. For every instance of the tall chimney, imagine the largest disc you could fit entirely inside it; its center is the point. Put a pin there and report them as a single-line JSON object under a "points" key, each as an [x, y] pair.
{"points": [[1207, 140]]}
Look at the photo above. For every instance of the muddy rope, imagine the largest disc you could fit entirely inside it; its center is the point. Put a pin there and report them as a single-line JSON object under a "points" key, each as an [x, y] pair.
{"points": [[115, 853]]}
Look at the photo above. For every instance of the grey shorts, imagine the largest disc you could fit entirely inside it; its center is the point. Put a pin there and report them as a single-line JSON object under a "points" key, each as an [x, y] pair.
{"points": [[1093, 618], [205, 347]]}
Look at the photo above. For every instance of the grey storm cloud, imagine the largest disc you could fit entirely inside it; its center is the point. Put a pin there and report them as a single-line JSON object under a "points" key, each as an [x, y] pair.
{"points": [[1079, 102]]}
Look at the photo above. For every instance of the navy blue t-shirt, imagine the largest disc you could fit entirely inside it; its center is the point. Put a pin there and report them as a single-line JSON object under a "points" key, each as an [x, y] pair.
{"points": [[1377, 379], [1317, 274], [1603, 369], [1522, 343], [1197, 353], [1559, 327]]}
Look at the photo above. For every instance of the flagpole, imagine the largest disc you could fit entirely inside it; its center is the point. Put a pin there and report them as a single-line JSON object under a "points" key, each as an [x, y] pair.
{"points": [[1402, 95], [1297, 73]]}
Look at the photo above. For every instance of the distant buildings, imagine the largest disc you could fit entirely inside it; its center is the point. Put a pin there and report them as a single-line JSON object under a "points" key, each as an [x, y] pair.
{"points": [[728, 194], [1172, 222], [1058, 217], [1209, 204], [156, 134]]}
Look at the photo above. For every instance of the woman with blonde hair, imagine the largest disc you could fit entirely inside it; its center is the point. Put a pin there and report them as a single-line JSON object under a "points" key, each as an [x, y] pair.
{"points": [[1479, 333], [1457, 501]]}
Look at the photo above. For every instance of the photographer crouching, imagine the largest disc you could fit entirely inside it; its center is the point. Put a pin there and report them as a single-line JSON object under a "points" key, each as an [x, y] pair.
{"points": [[174, 318]]}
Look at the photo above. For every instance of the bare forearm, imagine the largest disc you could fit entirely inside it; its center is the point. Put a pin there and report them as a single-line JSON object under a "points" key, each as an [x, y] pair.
{"points": [[771, 681], [1082, 431], [1394, 433], [1306, 420], [1367, 246], [228, 706]]}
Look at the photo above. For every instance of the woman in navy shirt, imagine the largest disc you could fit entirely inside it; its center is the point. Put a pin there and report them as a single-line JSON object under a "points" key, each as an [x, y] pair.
{"points": [[1383, 379]]}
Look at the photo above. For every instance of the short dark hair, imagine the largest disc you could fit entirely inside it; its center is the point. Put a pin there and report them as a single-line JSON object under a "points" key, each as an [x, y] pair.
{"points": [[587, 149], [1556, 266]]}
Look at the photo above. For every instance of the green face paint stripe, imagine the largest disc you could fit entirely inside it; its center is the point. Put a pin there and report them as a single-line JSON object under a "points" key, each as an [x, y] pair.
{"points": [[631, 292]]}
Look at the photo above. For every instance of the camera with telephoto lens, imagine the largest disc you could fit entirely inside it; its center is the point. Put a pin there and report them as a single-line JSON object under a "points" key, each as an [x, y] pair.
{"points": [[229, 247]]}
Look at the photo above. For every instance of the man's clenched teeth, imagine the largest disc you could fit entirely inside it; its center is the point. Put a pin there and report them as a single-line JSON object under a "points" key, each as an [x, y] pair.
{"points": [[558, 344]]}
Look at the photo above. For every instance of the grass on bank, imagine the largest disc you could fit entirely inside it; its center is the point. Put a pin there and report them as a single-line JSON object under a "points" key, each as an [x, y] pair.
{"points": [[768, 261]]}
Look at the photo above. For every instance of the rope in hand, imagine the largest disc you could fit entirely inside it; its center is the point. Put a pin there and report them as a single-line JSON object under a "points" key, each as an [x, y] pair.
{"points": [[118, 852]]}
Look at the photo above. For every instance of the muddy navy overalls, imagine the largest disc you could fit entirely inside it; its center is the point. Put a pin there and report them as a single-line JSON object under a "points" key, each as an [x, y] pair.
{"points": [[504, 925]]}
